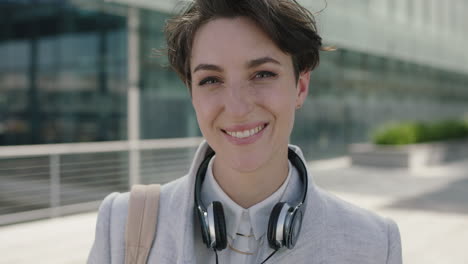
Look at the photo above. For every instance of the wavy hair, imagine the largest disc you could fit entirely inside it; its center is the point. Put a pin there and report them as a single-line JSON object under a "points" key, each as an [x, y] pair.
{"points": [[289, 25]]}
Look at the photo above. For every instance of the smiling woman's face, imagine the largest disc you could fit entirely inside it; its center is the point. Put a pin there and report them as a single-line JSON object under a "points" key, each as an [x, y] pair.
{"points": [[244, 92]]}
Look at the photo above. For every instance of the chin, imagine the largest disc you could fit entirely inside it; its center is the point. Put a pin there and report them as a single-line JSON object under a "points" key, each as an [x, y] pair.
{"points": [[248, 162]]}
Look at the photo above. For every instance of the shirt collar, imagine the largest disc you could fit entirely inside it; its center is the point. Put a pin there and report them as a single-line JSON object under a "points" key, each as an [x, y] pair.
{"points": [[259, 213]]}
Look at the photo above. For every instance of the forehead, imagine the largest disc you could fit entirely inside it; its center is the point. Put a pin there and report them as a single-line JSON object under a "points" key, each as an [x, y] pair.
{"points": [[231, 40]]}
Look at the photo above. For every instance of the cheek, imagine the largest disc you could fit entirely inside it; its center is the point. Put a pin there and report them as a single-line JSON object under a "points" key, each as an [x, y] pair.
{"points": [[206, 111], [281, 102], [283, 106]]}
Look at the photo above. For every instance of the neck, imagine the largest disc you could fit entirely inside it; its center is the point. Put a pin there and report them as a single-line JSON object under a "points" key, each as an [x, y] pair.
{"points": [[250, 188]]}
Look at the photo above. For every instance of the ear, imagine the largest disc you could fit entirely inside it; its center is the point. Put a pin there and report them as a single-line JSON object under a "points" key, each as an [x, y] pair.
{"points": [[302, 88]]}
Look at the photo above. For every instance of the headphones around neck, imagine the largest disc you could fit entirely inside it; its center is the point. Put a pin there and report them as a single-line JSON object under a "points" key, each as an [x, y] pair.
{"points": [[285, 220]]}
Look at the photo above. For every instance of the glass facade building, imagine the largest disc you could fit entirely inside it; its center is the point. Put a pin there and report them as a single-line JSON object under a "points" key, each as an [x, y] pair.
{"points": [[81, 71], [165, 106], [64, 78], [62, 73]]}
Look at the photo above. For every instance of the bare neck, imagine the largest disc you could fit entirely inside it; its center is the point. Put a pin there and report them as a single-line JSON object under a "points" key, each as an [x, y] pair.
{"points": [[248, 189]]}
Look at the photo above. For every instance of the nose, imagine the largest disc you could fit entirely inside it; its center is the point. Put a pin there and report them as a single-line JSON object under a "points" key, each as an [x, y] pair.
{"points": [[238, 102]]}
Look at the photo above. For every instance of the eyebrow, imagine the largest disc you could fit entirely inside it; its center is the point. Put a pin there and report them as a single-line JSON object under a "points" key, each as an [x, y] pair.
{"points": [[251, 64], [257, 62], [208, 67]]}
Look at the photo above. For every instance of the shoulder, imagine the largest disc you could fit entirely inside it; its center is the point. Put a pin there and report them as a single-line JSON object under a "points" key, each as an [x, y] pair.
{"points": [[111, 217], [171, 191], [112, 220], [115, 205], [357, 233], [345, 214], [113, 211]]}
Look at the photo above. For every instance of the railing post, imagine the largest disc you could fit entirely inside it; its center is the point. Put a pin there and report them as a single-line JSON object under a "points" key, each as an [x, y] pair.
{"points": [[133, 106], [54, 185]]}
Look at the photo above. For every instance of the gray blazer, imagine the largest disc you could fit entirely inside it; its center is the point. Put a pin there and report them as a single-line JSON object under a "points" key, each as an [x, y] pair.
{"points": [[333, 231]]}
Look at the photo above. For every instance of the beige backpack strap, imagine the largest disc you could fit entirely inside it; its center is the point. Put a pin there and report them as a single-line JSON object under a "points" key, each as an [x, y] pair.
{"points": [[141, 222]]}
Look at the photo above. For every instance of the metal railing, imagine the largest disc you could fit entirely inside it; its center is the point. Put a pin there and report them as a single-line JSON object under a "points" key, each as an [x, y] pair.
{"points": [[40, 181]]}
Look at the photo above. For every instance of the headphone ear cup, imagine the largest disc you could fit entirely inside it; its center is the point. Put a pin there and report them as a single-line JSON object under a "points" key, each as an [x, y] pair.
{"points": [[272, 224], [294, 228], [204, 227], [220, 226]]}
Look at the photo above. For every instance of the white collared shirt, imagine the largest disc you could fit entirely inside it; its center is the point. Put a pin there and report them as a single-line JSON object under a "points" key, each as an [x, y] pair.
{"points": [[251, 223]]}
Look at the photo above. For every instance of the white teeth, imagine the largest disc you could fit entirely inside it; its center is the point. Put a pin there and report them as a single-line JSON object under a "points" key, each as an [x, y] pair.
{"points": [[246, 133]]}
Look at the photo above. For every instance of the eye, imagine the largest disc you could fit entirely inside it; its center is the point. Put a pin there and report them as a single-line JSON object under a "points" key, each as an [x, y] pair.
{"points": [[264, 74], [208, 80]]}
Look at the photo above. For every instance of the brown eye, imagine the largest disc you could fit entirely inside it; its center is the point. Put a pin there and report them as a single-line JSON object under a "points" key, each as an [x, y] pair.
{"points": [[264, 74], [209, 80]]}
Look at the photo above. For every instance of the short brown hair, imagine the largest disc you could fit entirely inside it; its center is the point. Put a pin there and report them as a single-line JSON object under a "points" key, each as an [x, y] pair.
{"points": [[290, 26]]}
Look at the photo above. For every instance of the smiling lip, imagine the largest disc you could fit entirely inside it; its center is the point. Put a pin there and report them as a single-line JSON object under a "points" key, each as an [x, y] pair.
{"points": [[246, 140], [244, 127]]}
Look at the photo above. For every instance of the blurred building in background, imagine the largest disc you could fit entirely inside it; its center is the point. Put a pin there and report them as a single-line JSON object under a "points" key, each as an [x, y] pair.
{"points": [[76, 71]]}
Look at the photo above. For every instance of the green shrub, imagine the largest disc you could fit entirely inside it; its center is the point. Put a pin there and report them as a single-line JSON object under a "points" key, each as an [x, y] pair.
{"points": [[419, 132]]}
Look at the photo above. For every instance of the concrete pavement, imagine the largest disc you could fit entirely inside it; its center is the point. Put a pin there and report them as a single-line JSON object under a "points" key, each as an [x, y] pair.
{"points": [[430, 207]]}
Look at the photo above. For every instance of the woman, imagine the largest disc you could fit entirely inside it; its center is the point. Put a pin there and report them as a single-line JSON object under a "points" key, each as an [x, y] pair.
{"points": [[247, 66]]}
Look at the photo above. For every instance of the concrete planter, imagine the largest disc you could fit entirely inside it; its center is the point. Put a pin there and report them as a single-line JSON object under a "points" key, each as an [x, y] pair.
{"points": [[413, 157]]}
